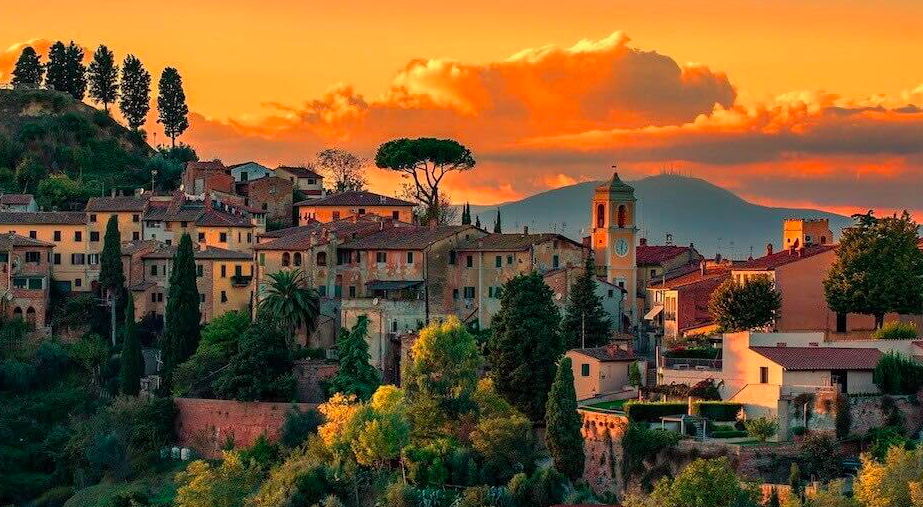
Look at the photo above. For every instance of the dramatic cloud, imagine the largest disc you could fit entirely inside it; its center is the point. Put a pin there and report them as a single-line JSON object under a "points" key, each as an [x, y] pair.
{"points": [[11, 54]]}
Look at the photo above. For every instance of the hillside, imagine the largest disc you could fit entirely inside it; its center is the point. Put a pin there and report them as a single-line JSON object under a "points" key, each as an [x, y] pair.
{"points": [[691, 209], [45, 132]]}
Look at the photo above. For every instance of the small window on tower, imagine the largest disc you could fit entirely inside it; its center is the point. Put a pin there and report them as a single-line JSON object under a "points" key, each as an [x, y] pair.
{"points": [[622, 215], [600, 215]]}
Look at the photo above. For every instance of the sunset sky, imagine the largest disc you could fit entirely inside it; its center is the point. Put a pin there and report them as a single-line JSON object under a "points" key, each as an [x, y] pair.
{"points": [[783, 102]]}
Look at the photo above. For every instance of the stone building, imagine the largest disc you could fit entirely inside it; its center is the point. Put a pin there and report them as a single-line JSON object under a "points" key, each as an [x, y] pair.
{"points": [[271, 195], [26, 282], [128, 211], [307, 182], [347, 204]]}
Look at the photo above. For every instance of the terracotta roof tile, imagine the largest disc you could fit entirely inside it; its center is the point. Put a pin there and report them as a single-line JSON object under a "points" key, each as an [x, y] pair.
{"points": [[821, 358], [9, 240], [355, 199], [206, 165], [648, 255], [511, 242], [121, 203], [43, 217], [218, 218], [15, 199], [300, 172], [609, 353], [405, 238], [774, 260]]}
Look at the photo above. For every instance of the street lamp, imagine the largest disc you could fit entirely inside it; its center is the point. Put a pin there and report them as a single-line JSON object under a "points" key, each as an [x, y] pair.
{"points": [[153, 175]]}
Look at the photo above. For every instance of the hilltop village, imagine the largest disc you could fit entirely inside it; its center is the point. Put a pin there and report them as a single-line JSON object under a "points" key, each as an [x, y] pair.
{"points": [[661, 351]]}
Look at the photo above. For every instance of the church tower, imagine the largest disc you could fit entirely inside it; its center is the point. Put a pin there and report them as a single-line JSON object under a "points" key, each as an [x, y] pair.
{"points": [[613, 238]]}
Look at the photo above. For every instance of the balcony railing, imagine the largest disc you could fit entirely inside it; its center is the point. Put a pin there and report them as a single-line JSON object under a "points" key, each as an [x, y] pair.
{"points": [[690, 363], [240, 280]]}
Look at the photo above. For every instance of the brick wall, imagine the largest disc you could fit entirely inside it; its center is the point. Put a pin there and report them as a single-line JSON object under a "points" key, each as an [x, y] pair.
{"points": [[602, 434], [310, 374], [207, 425], [276, 194]]}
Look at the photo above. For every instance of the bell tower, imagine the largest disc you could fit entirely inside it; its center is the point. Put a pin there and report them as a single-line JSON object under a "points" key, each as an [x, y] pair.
{"points": [[613, 238]]}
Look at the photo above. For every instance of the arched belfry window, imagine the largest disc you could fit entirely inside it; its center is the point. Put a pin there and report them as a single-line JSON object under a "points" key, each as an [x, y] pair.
{"points": [[600, 215], [623, 215]]}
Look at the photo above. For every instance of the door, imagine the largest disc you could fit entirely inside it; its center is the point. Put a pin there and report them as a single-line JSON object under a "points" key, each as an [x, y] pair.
{"points": [[838, 378]]}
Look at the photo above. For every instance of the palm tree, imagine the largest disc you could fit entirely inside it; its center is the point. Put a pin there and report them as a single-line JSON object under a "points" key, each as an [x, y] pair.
{"points": [[291, 302]]}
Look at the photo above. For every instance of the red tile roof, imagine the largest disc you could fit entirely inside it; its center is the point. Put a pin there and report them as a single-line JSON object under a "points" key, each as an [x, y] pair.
{"points": [[120, 203], [649, 255], [821, 358], [774, 260], [406, 238], [15, 199], [607, 354], [512, 242], [206, 165], [43, 217], [355, 199], [9, 240], [692, 274], [299, 172]]}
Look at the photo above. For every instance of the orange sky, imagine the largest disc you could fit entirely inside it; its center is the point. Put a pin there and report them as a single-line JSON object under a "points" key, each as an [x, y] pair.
{"points": [[794, 103]]}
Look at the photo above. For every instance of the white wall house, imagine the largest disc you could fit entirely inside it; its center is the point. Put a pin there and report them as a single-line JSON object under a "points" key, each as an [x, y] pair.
{"points": [[248, 171]]}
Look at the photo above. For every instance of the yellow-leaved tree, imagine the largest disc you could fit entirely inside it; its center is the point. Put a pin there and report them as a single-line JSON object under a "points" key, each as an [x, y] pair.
{"points": [[897, 480]]}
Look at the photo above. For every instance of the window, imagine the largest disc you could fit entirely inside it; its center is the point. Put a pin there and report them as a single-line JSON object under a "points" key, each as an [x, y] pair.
{"points": [[841, 323], [611, 293], [135, 236], [223, 237], [160, 297], [34, 257], [153, 270], [498, 261], [600, 216], [452, 257], [57, 235], [19, 282], [321, 258], [409, 257], [509, 260], [92, 217], [454, 293], [322, 290], [555, 261], [78, 259], [57, 259], [469, 292], [201, 236], [93, 259], [224, 297], [469, 261], [169, 242], [78, 282], [361, 211], [286, 258], [36, 283], [381, 257], [78, 236], [224, 271], [623, 215], [265, 207], [337, 291], [199, 270], [249, 237], [653, 273], [244, 176], [33, 234], [585, 370], [153, 297], [312, 181], [352, 291], [395, 215], [136, 218], [764, 374], [184, 224], [336, 215], [262, 259], [201, 297], [94, 236]]}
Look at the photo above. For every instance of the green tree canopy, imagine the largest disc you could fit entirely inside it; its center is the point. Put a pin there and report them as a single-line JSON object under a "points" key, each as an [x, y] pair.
{"points": [[704, 483], [28, 71], [135, 96], [737, 307], [181, 330], [262, 367], [111, 274], [444, 367], [466, 214], [56, 68], [878, 268], [289, 300], [224, 331], [103, 75], [343, 170], [75, 71], [355, 375], [58, 192], [525, 344], [426, 161], [131, 360], [498, 227], [562, 423], [173, 113], [585, 315]]}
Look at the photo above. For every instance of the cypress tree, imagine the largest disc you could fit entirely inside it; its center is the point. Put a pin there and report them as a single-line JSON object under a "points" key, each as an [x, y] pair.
{"points": [[181, 330], [171, 104], [497, 227], [562, 424], [466, 214], [103, 74], [525, 344], [56, 72], [132, 361], [135, 100], [773, 499], [28, 71], [794, 480], [355, 375], [585, 314], [477, 222], [111, 274], [75, 71]]}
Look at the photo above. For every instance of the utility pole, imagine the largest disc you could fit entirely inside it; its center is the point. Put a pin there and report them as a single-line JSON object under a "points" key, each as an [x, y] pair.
{"points": [[583, 330]]}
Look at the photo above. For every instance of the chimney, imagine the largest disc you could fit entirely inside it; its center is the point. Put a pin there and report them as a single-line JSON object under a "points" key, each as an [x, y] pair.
{"points": [[643, 241], [525, 229], [702, 267], [768, 248], [692, 245]]}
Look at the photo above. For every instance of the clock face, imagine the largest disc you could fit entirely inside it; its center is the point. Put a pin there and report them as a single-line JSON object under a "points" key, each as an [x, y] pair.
{"points": [[621, 247]]}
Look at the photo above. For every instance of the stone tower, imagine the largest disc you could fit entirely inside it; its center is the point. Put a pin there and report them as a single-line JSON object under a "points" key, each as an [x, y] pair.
{"points": [[613, 238]]}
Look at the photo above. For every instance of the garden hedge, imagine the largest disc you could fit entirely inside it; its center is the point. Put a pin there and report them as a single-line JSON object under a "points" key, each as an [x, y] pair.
{"points": [[717, 410], [652, 411]]}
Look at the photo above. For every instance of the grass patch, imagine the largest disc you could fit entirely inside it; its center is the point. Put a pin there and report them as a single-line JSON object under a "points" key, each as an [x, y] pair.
{"points": [[610, 405]]}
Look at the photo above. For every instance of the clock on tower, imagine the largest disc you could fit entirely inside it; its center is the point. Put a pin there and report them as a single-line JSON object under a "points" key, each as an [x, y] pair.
{"points": [[613, 238]]}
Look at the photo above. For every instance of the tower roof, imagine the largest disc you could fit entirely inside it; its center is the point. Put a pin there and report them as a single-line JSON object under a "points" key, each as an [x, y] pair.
{"points": [[617, 187]]}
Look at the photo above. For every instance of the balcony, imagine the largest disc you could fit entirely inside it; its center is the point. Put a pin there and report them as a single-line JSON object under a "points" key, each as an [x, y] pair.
{"points": [[690, 363], [240, 280]]}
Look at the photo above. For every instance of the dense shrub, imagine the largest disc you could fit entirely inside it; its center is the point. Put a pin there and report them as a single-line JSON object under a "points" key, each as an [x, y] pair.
{"points": [[693, 352], [717, 410], [706, 390], [299, 426], [653, 410], [898, 374], [896, 331], [728, 434], [762, 428], [640, 443]]}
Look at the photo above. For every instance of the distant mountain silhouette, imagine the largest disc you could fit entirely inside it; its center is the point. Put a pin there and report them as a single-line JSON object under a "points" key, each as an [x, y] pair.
{"points": [[691, 209]]}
